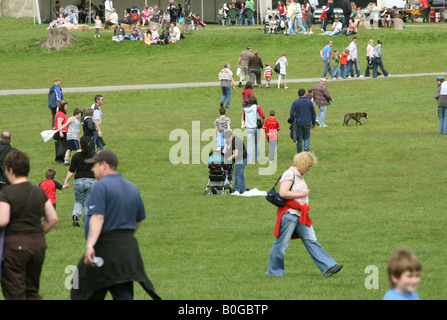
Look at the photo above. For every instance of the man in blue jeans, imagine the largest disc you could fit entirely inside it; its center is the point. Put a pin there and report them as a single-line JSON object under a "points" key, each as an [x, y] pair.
{"points": [[304, 112], [97, 119], [326, 54], [235, 151]]}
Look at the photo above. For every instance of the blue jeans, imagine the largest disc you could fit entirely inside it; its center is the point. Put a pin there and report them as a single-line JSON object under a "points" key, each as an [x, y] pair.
{"points": [[253, 135], [226, 96], [82, 188], [442, 113], [336, 72], [290, 26], [96, 142], [321, 115], [378, 63], [303, 135], [289, 224], [344, 70], [326, 69], [239, 178], [351, 69]]}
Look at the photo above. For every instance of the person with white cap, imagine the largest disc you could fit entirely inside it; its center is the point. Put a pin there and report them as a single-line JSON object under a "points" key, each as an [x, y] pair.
{"points": [[441, 97]]}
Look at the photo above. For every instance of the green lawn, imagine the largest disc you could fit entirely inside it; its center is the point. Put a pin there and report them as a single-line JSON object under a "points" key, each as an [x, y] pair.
{"points": [[377, 187]]}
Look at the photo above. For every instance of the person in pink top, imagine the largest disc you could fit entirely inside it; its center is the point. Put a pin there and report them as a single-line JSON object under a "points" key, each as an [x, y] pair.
{"points": [[145, 16], [425, 10]]}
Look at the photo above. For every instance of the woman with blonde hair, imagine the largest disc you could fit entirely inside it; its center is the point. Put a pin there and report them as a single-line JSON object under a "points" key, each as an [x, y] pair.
{"points": [[293, 220]]}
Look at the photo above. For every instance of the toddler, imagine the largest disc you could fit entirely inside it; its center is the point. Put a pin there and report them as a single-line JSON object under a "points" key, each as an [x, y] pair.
{"points": [[271, 127], [222, 123], [49, 186], [98, 25], [268, 74]]}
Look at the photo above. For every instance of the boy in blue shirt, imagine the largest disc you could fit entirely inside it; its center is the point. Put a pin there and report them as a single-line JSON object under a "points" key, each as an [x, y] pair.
{"points": [[404, 271]]}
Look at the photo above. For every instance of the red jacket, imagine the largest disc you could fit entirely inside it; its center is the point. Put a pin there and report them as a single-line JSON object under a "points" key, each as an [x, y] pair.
{"points": [[292, 204]]}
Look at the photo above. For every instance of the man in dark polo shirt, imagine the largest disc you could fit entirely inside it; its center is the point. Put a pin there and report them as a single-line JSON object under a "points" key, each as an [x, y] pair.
{"points": [[115, 211], [304, 112]]}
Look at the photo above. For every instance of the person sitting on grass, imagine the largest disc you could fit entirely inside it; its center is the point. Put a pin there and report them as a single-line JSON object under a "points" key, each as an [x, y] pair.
{"points": [[118, 33]]}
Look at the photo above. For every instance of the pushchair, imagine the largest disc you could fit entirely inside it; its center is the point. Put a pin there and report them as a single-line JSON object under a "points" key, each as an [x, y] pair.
{"points": [[135, 13], [275, 24], [220, 176]]}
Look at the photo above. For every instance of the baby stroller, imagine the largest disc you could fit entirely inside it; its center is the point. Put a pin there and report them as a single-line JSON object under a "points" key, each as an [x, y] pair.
{"points": [[275, 24], [135, 13], [220, 174]]}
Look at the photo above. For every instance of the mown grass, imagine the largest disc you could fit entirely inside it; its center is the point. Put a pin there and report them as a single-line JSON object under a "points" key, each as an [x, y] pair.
{"points": [[377, 187]]}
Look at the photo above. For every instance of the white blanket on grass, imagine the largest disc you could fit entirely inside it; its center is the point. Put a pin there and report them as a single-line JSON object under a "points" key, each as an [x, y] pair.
{"points": [[250, 193]]}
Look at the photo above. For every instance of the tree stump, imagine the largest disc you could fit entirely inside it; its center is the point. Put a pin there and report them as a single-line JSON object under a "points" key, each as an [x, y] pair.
{"points": [[398, 24], [58, 38]]}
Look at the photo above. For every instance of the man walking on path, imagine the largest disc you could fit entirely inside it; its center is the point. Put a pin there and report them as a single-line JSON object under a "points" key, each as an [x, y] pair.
{"points": [[352, 59], [304, 112], [326, 54], [322, 98], [243, 64], [54, 96]]}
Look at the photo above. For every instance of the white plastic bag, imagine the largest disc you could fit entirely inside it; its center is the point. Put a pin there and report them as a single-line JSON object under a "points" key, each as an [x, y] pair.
{"points": [[238, 72], [47, 135]]}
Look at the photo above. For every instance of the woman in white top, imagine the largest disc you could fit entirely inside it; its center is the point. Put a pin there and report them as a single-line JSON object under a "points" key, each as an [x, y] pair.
{"points": [[293, 187], [283, 70], [369, 57]]}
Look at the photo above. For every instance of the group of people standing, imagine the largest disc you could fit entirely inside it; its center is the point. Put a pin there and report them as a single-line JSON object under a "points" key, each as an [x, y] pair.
{"points": [[346, 64]]}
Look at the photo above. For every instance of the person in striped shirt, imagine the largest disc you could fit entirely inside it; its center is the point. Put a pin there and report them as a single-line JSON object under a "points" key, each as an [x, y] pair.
{"points": [[268, 74]]}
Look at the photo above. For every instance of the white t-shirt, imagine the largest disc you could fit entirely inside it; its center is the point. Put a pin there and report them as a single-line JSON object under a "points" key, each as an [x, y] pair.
{"points": [[97, 114], [299, 185]]}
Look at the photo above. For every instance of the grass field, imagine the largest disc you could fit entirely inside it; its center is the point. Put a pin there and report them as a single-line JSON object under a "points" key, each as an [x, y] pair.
{"points": [[377, 187]]}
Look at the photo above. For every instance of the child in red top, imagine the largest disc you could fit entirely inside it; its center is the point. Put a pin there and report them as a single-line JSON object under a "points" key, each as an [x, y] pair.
{"points": [[49, 186], [271, 127], [344, 64]]}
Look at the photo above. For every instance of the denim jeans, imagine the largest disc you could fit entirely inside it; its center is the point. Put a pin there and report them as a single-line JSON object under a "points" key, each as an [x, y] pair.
{"points": [[303, 135], [289, 224], [351, 68], [442, 113], [326, 69], [335, 72], [290, 26], [321, 115], [96, 142], [239, 178], [378, 63], [344, 70], [226, 96], [82, 188], [253, 135]]}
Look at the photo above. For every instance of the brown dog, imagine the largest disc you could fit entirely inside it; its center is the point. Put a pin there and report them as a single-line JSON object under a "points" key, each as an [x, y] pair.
{"points": [[356, 116]]}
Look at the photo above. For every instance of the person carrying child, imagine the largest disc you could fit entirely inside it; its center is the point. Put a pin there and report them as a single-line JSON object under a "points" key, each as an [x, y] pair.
{"points": [[49, 186], [222, 123], [404, 272], [271, 127], [268, 74]]}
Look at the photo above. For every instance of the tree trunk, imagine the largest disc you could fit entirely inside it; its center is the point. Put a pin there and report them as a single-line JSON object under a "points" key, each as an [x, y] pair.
{"points": [[58, 38]]}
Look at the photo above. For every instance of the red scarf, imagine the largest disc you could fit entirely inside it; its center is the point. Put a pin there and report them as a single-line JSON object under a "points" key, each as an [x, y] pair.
{"points": [[292, 204]]}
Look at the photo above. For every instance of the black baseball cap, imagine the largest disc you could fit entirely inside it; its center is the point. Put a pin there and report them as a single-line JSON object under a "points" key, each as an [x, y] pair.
{"points": [[106, 156]]}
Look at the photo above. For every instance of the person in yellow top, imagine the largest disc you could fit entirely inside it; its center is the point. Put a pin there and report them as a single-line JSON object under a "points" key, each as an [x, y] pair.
{"points": [[290, 15]]}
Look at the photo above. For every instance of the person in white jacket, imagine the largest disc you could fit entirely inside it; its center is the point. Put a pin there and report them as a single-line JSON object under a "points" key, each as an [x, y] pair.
{"points": [[251, 113]]}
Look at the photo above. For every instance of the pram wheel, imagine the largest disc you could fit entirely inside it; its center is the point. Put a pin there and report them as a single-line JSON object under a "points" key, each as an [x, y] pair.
{"points": [[222, 192], [208, 192]]}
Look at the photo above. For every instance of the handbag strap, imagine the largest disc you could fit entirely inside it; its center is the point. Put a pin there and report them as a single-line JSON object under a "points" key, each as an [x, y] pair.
{"points": [[280, 179], [26, 203]]}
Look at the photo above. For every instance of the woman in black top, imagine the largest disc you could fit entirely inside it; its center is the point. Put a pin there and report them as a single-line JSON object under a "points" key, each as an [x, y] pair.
{"points": [[84, 178]]}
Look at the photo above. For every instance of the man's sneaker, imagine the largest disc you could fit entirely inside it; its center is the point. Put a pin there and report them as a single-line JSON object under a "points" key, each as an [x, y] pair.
{"points": [[332, 270], [318, 122], [76, 221], [324, 126]]}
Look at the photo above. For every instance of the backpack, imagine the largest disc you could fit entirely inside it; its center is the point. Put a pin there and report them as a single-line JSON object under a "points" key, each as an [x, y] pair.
{"points": [[134, 16], [277, 68]]}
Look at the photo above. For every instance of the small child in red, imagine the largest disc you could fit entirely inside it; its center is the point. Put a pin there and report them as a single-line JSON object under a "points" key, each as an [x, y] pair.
{"points": [[49, 186], [271, 127], [268, 74]]}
